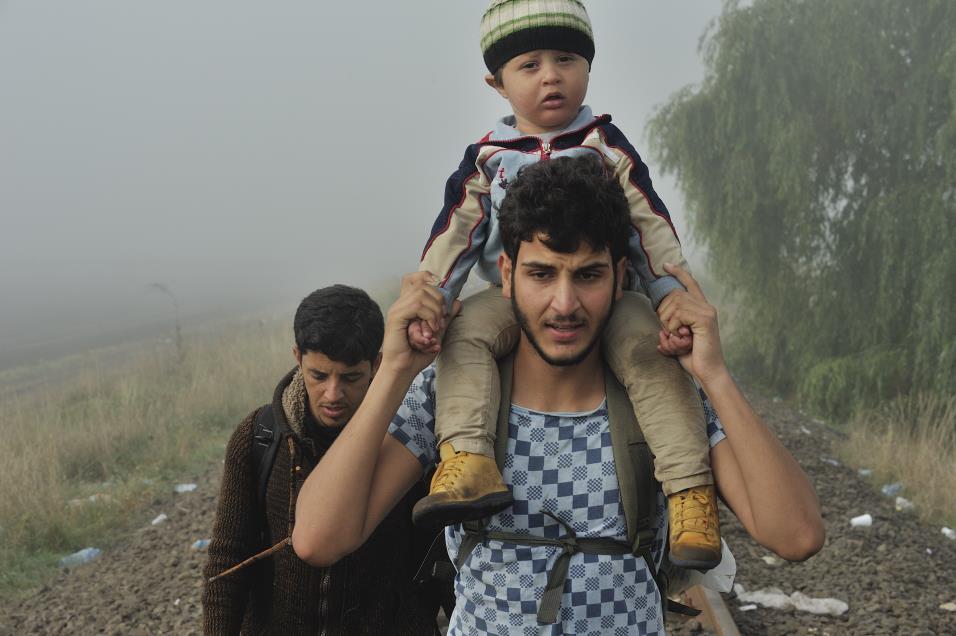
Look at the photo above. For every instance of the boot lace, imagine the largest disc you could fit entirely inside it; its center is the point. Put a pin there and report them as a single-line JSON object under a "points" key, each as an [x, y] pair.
{"points": [[448, 472], [693, 513]]}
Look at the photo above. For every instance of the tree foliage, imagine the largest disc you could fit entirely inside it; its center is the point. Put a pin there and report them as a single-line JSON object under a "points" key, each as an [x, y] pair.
{"points": [[818, 162]]}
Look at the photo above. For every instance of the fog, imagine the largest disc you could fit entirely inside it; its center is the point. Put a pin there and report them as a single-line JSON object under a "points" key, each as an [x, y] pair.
{"points": [[243, 154]]}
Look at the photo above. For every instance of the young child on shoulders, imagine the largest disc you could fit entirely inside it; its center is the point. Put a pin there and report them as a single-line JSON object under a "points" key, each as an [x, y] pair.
{"points": [[538, 54]]}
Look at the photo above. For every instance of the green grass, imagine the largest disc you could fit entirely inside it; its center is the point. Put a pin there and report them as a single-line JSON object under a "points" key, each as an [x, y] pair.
{"points": [[126, 434]]}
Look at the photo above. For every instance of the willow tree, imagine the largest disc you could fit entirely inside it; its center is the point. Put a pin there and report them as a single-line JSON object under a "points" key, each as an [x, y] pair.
{"points": [[818, 162]]}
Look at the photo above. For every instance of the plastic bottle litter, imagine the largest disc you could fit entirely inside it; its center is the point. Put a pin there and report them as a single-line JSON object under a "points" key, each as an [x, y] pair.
{"points": [[181, 488], [200, 544], [161, 517], [865, 472], [891, 490], [79, 558], [949, 533], [903, 504], [863, 521]]}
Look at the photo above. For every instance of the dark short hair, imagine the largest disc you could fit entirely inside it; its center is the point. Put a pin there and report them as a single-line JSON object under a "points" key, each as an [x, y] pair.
{"points": [[569, 200], [340, 322]]}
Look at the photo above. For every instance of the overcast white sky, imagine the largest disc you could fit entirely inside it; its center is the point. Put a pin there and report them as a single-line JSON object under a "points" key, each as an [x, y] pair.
{"points": [[246, 153]]}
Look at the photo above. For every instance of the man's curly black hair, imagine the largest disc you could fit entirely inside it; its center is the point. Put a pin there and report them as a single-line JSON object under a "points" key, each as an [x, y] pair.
{"points": [[340, 322], [566, 201]]}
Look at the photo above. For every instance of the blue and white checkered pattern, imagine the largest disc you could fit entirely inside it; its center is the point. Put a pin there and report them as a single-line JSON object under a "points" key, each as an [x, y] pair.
{"points": [[561, 463]]}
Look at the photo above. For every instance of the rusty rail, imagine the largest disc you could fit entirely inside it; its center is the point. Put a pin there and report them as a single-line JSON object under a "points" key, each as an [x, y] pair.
{"points": [[714, 614]]}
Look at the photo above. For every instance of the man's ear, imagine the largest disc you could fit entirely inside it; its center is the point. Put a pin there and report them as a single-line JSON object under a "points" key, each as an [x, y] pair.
{"points": [[621, 269], [297, 354], [376, 363], [504, 267], [490, 81]]}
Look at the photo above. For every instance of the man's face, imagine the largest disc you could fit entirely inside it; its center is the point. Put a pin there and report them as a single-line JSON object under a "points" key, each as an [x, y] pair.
{"points": [[562, 301], [335, 389]]}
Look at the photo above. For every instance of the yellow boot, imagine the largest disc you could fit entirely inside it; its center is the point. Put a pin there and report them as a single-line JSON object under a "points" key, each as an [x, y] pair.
{"points": [[465, 486], [694, 528]]}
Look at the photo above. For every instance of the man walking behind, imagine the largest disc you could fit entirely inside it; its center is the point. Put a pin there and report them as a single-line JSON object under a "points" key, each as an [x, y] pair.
{"points": [[338, 334]]}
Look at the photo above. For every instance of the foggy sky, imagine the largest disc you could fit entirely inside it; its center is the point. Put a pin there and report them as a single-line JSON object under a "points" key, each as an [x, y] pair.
{"points": [[246, 153]]}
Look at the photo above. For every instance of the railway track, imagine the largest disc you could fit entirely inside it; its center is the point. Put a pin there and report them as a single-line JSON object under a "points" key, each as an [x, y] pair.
{"points": [[714, 614]]}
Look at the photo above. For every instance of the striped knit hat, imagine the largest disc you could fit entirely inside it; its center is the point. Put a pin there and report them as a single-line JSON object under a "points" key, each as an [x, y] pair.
{"points": [[513, 27]]}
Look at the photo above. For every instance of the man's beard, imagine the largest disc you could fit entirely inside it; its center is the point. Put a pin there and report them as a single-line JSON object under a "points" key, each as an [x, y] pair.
{"points": [[560, 362]]}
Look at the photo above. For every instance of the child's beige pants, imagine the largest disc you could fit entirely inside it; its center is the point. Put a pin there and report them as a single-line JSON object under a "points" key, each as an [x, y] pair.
{"points": [[665, 399]]}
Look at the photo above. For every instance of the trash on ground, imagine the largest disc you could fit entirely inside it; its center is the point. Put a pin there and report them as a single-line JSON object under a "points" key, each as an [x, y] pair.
{"points": [[805, 430], [777, 399], [829, 460], [863, 521], [80, 557], [176, 602], [891, 490], [161, 517], [929, 551], [200, 544], [747, 608], [949, 533], [903, 504], [865, 472], [949, 607], [94, 498], [769, 559], [774, 598], [181, 488]]}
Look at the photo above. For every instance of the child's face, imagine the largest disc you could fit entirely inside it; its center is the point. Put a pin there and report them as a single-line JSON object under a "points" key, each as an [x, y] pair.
{"points": [[545, 88]]}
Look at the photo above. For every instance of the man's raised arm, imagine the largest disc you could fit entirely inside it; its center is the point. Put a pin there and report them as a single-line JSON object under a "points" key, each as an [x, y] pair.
{"points": [[756, 476], [366, 472]]}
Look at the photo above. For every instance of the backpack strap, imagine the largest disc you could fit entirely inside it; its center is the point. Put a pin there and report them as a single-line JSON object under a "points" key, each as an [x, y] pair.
{"points": [[267, 434]]}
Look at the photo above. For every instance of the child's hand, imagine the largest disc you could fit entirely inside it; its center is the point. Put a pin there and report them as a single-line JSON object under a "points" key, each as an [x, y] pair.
{"points": [[420, 337], [675, 343]]}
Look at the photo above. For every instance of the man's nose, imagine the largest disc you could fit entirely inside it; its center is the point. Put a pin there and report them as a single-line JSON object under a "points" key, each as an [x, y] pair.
{"points": [[565, 300], [333, 390]]}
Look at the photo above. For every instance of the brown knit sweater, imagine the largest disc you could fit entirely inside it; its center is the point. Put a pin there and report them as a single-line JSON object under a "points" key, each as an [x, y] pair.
{"points": [[368, 592]]}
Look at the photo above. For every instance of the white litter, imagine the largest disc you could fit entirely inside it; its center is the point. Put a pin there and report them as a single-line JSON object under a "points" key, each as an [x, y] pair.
{"points": [[891, 490], [771, 560], [181, 488], [863, 521], [200, 544], [78, 558], [805, 430], [865, 472], [829, 460], [949, 607], [903, 504], [176, 602], [775, 598], [747, 608], [161, 517], [949, 533], [929, 551]]}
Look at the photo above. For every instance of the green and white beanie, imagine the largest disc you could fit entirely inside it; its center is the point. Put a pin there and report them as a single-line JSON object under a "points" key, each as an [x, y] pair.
{"points": [[513, 27]]}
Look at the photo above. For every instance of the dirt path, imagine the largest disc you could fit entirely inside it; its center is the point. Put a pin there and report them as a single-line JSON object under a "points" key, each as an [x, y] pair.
{"points": [[894, 575]]}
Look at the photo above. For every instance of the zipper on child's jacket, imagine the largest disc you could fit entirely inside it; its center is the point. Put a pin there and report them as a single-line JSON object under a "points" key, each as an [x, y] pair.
{"points": [[545, 150]]}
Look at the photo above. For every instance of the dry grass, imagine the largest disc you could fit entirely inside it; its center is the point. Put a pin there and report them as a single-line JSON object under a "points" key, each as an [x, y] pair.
{"points": [[126, 433], [911, 440]]}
